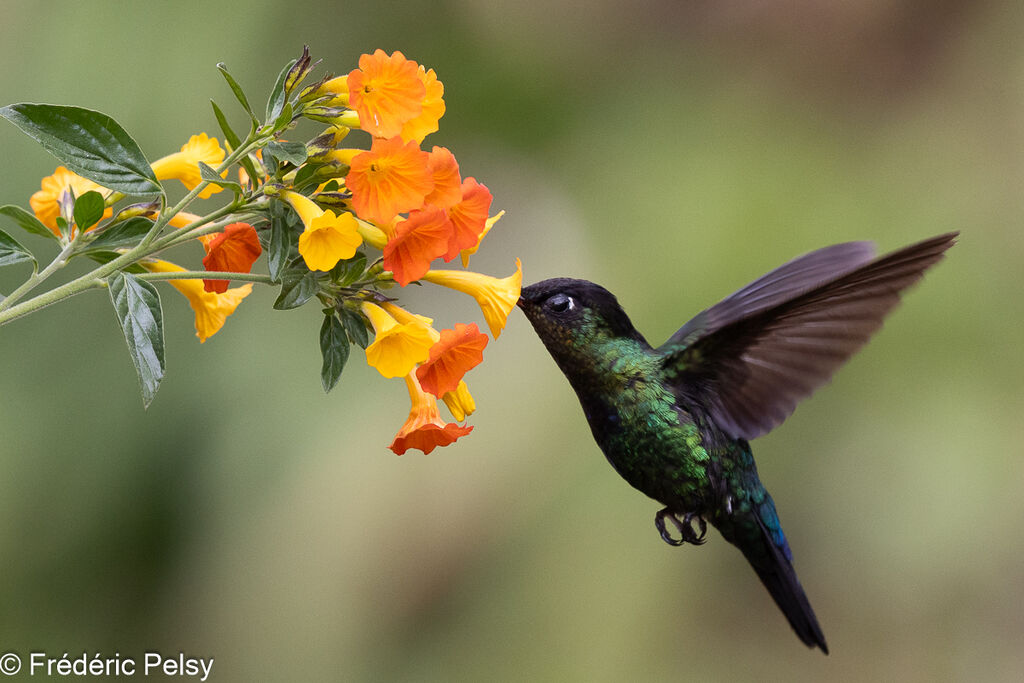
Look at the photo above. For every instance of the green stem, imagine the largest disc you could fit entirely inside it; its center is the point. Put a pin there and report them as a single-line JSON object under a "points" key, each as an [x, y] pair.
{"points": [[206, 275]]}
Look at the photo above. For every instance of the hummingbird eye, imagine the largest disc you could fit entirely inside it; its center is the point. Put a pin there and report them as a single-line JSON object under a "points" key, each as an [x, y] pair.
{"points": [[560, 303]]}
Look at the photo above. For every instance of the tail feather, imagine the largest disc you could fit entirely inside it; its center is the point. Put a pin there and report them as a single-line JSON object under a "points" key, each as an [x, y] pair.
{"points": [[776, 573]]}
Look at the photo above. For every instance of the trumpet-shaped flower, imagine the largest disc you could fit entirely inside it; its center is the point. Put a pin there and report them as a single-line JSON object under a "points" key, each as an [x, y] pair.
{"points": [[46, 202], [184, 165], [468, 217], [466, 253], [444, 168], [417, 241], [234, 250], [211, 309], [397, 347], [386, 92], [424, 429], [327, 238], [460, 402], [392, 178], [455, 353], [433, 108], [496, 297]]}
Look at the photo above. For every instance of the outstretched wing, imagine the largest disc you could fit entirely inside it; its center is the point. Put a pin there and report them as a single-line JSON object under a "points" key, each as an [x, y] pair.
{"points": [[752, 357]]}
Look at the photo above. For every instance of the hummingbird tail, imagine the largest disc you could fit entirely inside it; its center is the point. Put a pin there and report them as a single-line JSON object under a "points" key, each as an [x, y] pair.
{"points": [[776, 572]]}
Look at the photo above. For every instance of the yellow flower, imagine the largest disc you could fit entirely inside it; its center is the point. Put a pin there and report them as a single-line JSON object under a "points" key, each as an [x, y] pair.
{"points": [[496, 297], [184, 165], [328, 238], [211, 309], [460, 402], [397, 347], [466, 253], [46, 202]]}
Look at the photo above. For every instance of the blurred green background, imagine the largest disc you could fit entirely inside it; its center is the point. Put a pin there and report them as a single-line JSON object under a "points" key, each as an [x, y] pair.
{"points": [[670, 151]]}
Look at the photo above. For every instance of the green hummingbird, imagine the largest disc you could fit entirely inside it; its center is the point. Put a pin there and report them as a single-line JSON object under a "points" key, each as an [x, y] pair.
{"points": [[675, 421]]}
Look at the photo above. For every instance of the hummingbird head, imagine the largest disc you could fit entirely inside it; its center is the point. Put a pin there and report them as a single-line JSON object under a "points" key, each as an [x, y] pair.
{"points": [[572, 316]]}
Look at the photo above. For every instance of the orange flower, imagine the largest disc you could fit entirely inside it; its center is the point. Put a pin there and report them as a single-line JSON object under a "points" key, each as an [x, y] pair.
{"points": [[211, 309], [460, 402], [444, 168], [234, 250], [466, 253], [455, 353], [433, 108], [392, 178], [386, 92], [424, 429], [184, 165], [417, 241], [496, 297], [468, 217], [46, 202], [397, 347]]}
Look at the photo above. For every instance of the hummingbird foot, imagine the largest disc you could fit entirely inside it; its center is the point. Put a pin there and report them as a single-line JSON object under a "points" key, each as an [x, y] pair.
{"points": [[684, 526]]}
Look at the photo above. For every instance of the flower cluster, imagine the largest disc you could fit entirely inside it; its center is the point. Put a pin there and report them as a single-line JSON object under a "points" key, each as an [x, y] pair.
{"points": [[339, 222]]}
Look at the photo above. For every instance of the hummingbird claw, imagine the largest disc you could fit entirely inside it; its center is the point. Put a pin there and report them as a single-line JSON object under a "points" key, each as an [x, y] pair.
{"points": [[684, 526]]}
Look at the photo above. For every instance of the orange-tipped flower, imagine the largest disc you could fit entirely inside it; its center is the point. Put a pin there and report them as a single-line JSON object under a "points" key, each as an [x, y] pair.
{"points": [[460, 402], [46, 202], [457, 352], [417, 241], [468, 217], [466, 253], [424, 429], [392, 178], [496, 297], [211, 309], [327, 238], [444, 168], [386, 92], [397, 347], [184, 165], [433, 108], [234, 250]]}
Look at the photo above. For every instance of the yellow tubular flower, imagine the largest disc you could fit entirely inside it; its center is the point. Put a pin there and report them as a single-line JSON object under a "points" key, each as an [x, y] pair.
{"points": [[184, 165], [466, 253], [328, 238], [397, 347], [405, 317], [460, 402], [46, 202], [496, 297], [211, 309]]}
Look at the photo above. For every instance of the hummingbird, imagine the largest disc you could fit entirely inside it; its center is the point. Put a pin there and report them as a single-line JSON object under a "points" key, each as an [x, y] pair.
{"points": [[676, 421]]}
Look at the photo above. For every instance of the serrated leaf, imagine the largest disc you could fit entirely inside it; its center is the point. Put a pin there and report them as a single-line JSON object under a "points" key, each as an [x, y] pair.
{"points": [[355, 325], [124, 234], [137, 306], [334, 347], [11, 251], [88, 209], [275, 103], [292, 152], [27, 221], [237, 90], [88, 142], [296, 289]]}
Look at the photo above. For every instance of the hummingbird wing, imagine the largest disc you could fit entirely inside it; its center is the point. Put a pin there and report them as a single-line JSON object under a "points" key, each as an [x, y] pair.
{"points": [[753, 356]]}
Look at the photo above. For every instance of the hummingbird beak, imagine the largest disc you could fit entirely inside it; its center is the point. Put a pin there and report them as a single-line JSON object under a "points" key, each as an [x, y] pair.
{"points": [[520, 302]]}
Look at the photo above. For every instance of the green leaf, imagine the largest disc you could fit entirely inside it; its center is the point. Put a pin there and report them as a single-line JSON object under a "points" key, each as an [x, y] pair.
{"points": [[108, 256], [229, 134], [88, 142], [275, 104], [284, 118], [239, 94], [334, 346], [292, 152], [207, 173], [12, 252], [27, 221], [349, 270], [355, 325], [281, 245], [297, 288], [137, 306], [124, 234], [88, 209]]}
